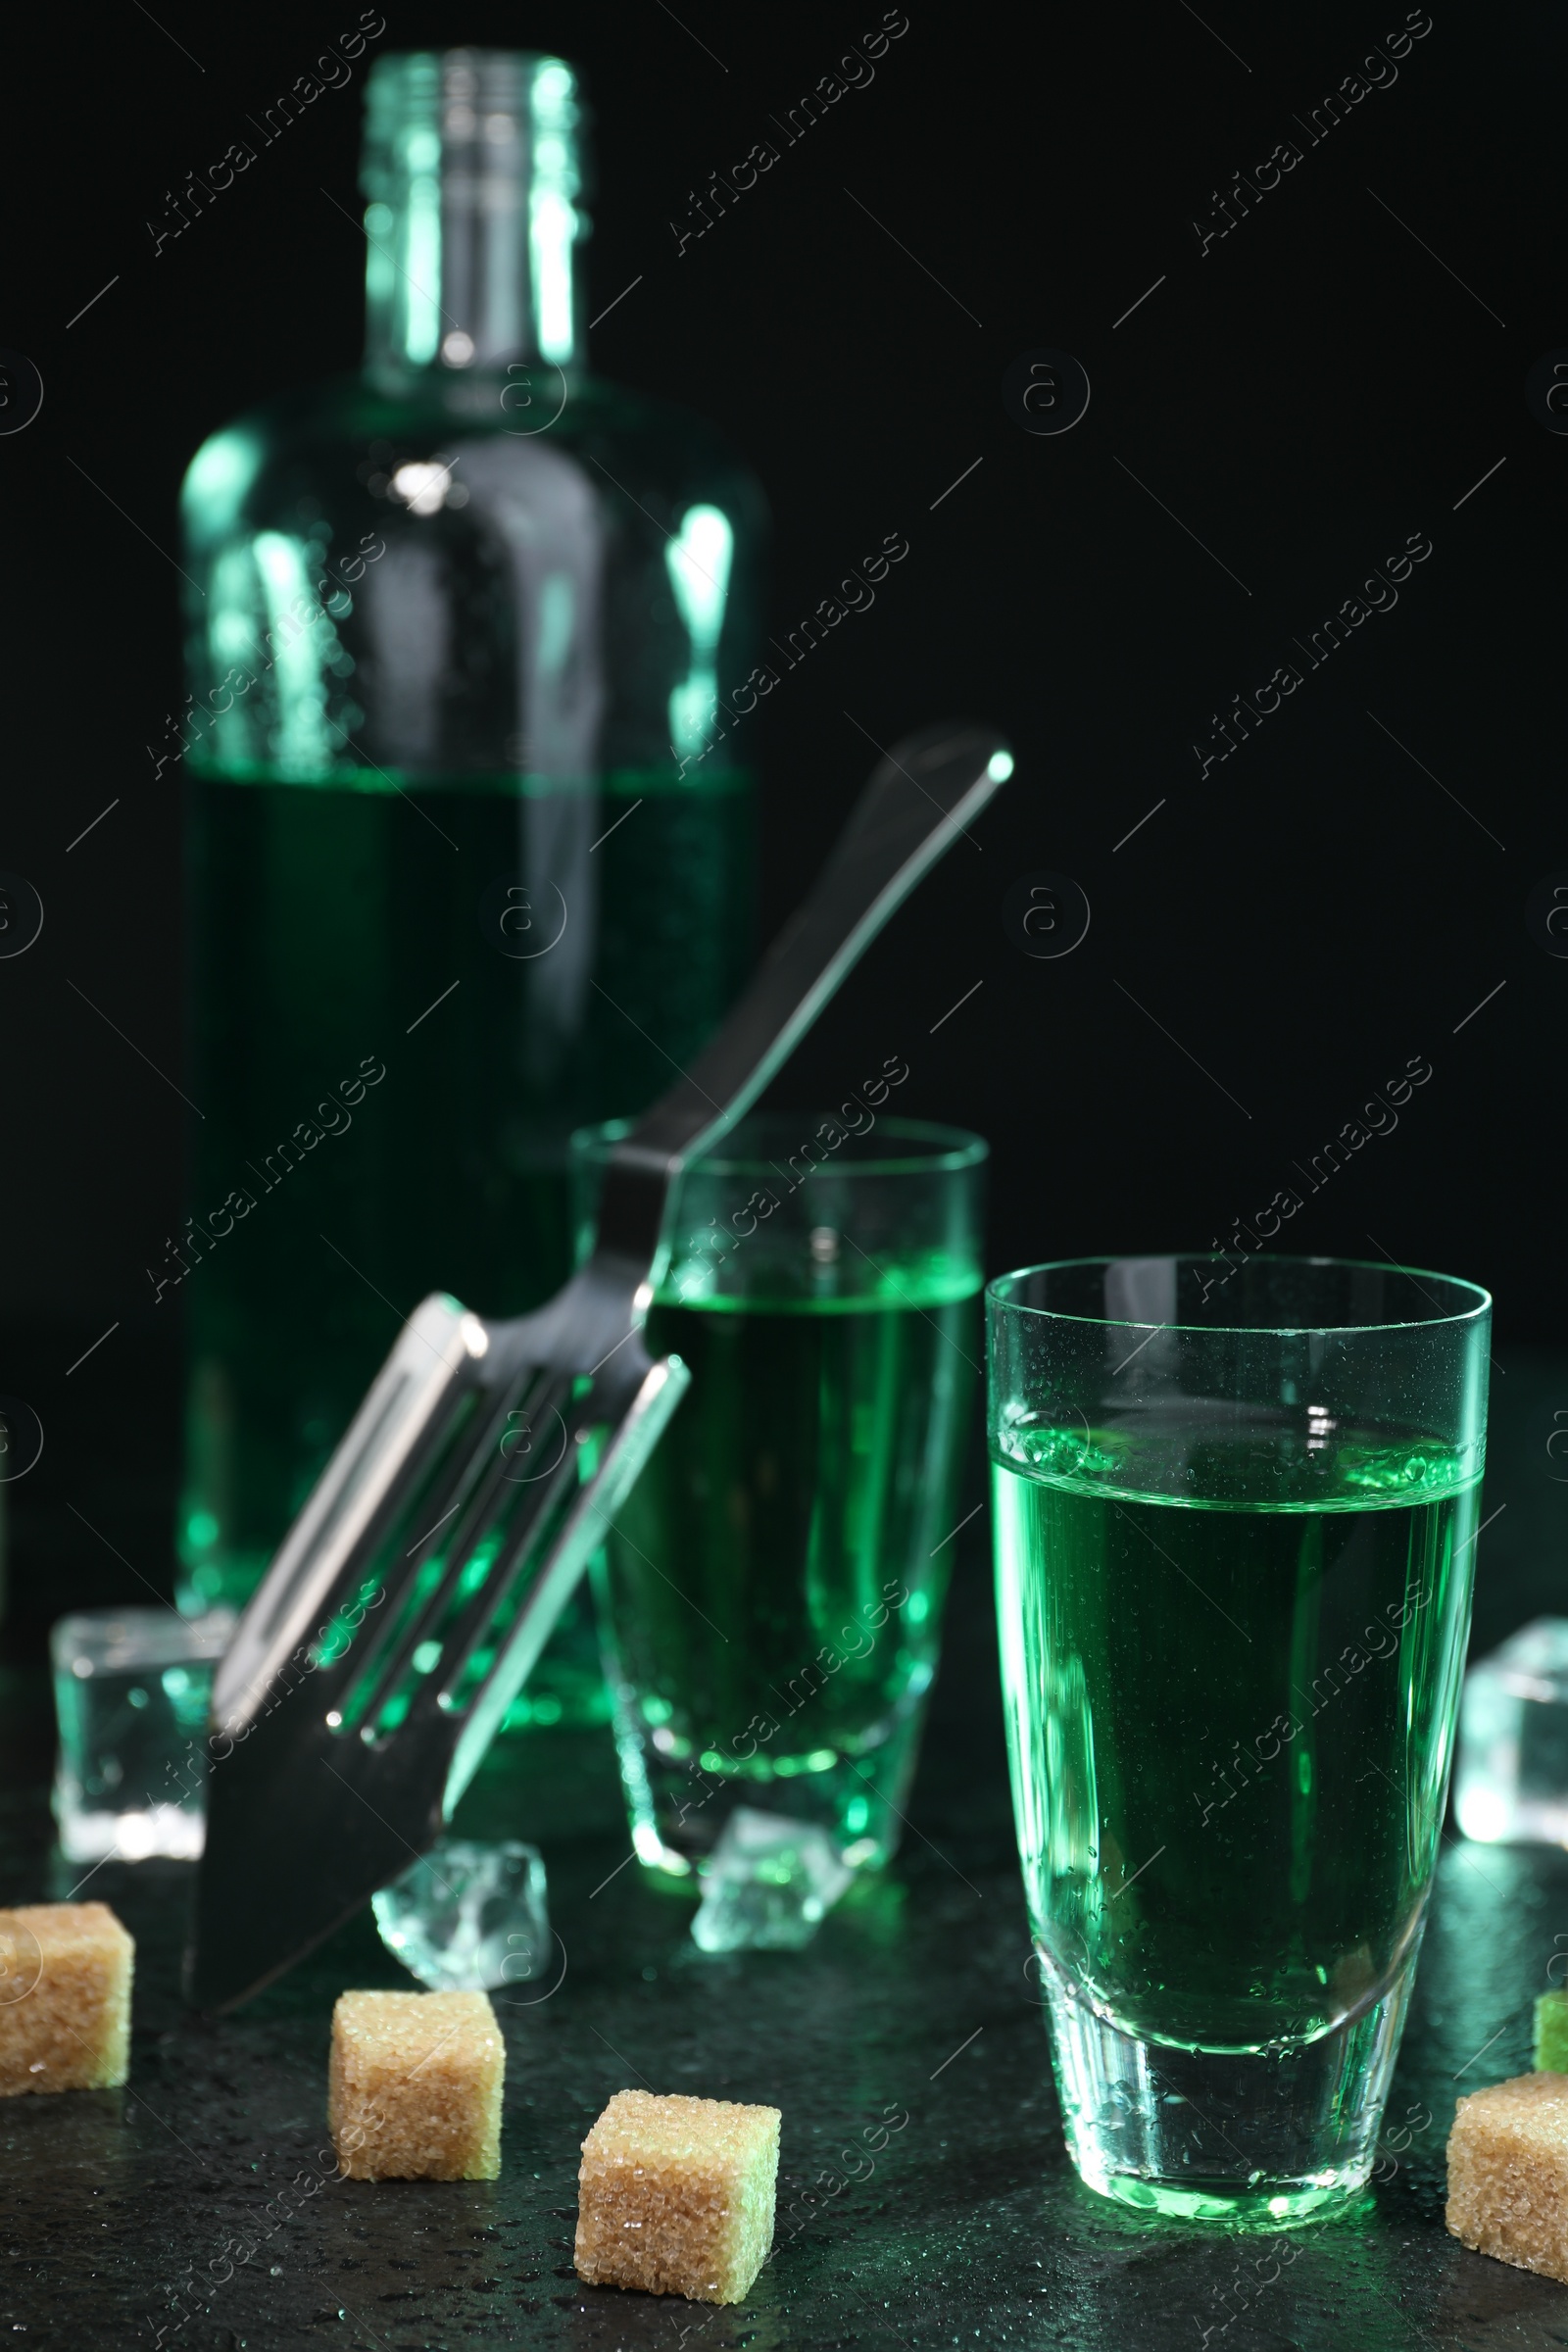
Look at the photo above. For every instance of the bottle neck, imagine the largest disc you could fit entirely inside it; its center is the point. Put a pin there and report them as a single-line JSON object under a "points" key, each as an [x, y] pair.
{"points": [[473, 172]]}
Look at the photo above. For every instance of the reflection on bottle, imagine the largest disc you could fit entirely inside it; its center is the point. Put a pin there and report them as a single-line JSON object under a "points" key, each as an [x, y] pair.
{"points": [[697, 559]]}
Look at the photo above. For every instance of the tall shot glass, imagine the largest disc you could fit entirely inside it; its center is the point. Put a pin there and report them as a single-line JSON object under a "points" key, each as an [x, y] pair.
{"points": [[1235, 1538]]}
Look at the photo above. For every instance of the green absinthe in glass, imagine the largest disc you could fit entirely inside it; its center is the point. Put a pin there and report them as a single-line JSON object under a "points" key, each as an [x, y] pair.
{"points": [[776, 1578], [468, 865], [1231, 1715]]}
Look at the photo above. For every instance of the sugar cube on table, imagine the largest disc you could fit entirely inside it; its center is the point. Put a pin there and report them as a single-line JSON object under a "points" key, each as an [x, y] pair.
{"points": [[1509, 2172], [1551, 2033], [675, 2195], [415, 2087], [65, 1998]]}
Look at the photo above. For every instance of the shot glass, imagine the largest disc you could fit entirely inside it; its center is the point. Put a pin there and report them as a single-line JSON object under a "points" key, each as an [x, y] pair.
{"points": [[1234, 1513], [771, 1593]]}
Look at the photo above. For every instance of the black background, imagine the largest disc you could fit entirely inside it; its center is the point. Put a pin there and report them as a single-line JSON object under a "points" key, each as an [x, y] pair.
{"points": [[1279, 939], [1305, 920]]}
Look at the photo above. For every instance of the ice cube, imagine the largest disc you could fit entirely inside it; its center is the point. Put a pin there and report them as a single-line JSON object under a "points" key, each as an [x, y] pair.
{"points": [[1511, 1784], [468, 1917], [131, 1693], [767, 1885]]}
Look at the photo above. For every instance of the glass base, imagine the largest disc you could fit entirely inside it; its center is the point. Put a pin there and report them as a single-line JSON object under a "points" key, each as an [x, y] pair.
{"points": [[1250, 2138], [679, 1811]]}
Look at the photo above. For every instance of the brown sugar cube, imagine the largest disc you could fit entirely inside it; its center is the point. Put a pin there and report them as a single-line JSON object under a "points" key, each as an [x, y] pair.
{"points": [[676, 2196], [65, 1998], [1509, 2172], [415, 2087]]}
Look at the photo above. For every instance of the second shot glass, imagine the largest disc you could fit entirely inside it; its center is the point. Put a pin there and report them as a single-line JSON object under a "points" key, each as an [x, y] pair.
{"points": [[771, 1593]]}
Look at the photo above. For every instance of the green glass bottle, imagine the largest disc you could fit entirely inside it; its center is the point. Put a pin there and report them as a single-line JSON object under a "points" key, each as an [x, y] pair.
{"points": [[468, 862]]}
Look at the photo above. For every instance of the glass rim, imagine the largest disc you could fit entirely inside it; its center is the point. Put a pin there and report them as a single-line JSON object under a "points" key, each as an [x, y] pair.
{"points": [[996, 1293], [949, 1149]]}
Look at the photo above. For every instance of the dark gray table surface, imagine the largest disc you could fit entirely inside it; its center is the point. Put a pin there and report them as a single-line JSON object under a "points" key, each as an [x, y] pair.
{"points": [[116, 2207]]}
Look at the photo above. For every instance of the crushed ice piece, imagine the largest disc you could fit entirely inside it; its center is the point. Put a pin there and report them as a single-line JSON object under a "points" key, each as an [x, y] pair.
{"points": [[133, 1688], [468, 1917], [1511, 1782], [768, 1884]]}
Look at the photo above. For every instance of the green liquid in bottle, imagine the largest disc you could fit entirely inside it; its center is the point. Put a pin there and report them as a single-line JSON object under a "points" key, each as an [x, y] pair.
{"points": [[388, 1086]]}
